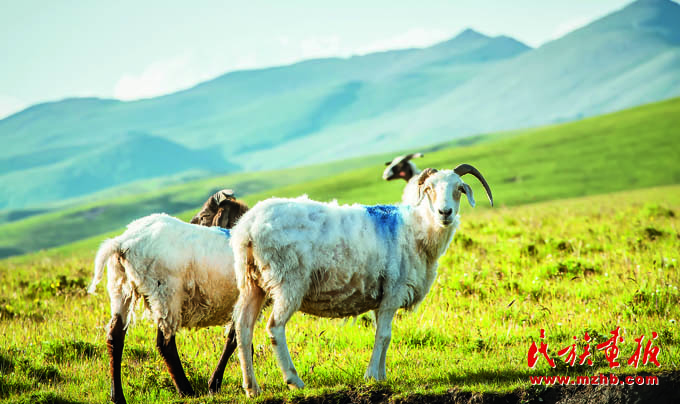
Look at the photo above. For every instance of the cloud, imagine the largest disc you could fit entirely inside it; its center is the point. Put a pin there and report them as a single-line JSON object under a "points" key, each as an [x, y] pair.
{"points": [[321, 47], [160, 77], [413, 38], [10, 105], [569, 26], [186, 70], [334, 46]]}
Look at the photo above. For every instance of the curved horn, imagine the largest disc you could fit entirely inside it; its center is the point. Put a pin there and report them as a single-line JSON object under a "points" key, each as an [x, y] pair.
{"points": [[463, 169], [421, 180], [425, 175], [412, 156], [223, 195]]}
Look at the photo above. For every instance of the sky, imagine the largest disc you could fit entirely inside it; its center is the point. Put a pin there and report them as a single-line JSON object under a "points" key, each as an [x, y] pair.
{"points": [[138, 49]]}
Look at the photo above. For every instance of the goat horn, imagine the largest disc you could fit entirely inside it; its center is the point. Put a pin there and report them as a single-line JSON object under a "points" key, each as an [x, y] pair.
{"points": [[223, 195], [425, 174], [463, 169]]}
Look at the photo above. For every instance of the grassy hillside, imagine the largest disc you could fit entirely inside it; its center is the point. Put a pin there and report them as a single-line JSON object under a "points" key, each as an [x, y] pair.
{"points": [[569, 266], [110, 212], [630, 149], [226, 119]]}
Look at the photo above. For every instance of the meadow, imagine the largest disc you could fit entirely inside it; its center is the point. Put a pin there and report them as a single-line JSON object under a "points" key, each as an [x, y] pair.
{"points": [[584, 237], [629, 149], [568, 266]]}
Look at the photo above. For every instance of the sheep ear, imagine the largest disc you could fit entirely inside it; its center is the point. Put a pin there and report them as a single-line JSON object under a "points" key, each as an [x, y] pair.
{"points": [[388, 163], [468, 192], [217, 218], [232, 210]]}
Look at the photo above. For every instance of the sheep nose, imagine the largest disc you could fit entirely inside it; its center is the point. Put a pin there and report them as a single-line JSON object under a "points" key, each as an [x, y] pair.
{"points": [[446, 212]]}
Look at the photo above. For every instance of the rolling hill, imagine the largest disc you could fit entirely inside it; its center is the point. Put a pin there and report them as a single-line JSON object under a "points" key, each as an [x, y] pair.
{"points": [[233, 115], [328, 109], [631, 149]]}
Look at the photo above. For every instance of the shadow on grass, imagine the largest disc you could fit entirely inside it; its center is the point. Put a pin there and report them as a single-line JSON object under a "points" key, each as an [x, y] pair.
{"points": [[68, 350], [6, 364], [39, 373], [43, 397], [484, 376], [9, 387]]}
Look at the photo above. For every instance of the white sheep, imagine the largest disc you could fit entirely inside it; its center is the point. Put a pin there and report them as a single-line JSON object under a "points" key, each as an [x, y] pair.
{"points": [[338, 261], [184, 274], [401, 167]]}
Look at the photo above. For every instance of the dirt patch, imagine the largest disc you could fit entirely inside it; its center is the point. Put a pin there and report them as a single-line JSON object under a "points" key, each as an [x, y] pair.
{"points": [[665, 392]]}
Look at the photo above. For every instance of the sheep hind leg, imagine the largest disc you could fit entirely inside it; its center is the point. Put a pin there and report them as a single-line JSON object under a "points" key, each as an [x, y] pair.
{"points": [[276, 328], [248, 309], [383, 335], [215, 383], [168, 350], [115, 342]]}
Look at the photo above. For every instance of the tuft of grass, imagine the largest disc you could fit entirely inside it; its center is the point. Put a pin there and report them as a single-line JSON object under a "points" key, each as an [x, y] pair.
{"points": [[69, 350], [44, 397]]}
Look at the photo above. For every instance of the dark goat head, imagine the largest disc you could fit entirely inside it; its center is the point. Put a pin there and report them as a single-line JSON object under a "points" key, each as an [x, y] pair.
{"points": [[221, 209], [401, 168]]}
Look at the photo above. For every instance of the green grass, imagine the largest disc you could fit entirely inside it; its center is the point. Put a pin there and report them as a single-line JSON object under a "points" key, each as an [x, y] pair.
{"points": [[111, 212], [568, 266], [626, 150]]}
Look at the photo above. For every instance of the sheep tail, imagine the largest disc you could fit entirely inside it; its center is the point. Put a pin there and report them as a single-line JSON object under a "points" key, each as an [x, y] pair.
{"points": [[106, 250]]}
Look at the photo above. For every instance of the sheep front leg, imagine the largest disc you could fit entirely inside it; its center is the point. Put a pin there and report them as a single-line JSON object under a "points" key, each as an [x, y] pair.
{"points": [[168, 350], [115, 341], [383, 335], [249, 306], [282, 311]]}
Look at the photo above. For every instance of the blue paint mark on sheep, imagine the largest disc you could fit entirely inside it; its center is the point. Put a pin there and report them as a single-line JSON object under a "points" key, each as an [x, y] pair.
{"points": [[225, 232], [386, 219]]}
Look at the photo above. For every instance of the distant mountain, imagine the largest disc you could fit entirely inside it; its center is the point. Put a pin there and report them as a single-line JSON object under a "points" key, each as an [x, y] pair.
{"points": [[233, 116], [627, 58], [327, 109], [129, 158]]}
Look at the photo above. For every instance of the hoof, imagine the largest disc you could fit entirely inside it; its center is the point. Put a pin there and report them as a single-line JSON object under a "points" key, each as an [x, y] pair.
{"points": [[214, 387], [254, 392], [295, 384], [187, 393], [376, 377], [118, 399]]}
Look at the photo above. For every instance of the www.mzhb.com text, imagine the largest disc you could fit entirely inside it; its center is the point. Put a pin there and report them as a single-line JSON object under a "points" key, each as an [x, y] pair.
{"points": [[596, 380]]}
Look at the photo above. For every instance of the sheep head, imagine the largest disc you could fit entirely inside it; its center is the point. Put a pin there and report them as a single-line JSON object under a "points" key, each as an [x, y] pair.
{"points": [[401, 167], [228, 213], [442, 191], [221, 209]]}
